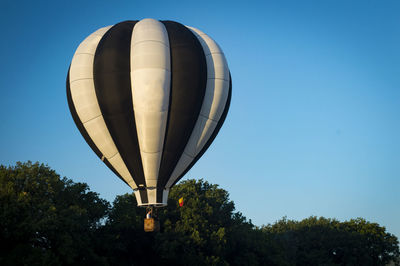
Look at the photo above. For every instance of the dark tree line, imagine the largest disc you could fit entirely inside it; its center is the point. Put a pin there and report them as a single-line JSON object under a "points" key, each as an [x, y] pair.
{"points": [[48, 220]]}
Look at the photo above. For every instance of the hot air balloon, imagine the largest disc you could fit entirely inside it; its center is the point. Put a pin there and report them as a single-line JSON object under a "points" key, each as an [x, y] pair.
{"points": [[149, 97]]}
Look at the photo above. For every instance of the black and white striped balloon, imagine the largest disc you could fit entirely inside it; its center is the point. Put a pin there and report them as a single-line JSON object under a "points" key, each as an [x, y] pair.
{"points": [[149, 97]]}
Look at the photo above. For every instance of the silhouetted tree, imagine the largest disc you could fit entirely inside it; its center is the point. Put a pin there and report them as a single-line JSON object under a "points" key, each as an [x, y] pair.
{"points": [[48, 220], [321, 241], [45, 219], [124, 241]]}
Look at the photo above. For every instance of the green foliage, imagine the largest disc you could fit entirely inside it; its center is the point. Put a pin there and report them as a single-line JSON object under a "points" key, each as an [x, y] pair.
{"points": [[123, 239], [202, 223], [48, 220], [321, 241], [205, 224]]}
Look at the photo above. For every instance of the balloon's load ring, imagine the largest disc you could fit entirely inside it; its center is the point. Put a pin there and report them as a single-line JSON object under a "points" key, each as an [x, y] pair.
{"points": [[146, 196], [151, 222]]}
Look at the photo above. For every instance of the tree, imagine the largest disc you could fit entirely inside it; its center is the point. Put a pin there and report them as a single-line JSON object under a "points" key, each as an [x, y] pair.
{"points": [[48, 220], [193, 234], [124, 241], [205, 231], [321, 241], [200, 229], [208, 231], [45, 219]]}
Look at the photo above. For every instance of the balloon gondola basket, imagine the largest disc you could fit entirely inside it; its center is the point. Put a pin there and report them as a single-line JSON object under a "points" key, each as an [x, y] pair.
{"points": [[151, 222], [151, 225]]}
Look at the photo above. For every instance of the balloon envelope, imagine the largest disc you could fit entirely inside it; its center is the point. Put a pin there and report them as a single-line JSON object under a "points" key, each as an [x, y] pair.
{"points": [[149, 97]]}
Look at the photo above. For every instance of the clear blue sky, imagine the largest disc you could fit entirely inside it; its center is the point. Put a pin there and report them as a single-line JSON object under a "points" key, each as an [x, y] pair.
{"points": [[314, 124]]}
